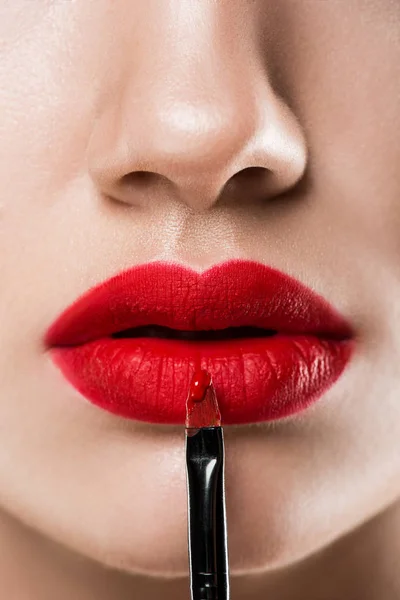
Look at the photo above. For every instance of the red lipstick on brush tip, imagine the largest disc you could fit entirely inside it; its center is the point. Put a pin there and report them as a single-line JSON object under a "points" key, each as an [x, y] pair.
{"points": [[201, 406]]}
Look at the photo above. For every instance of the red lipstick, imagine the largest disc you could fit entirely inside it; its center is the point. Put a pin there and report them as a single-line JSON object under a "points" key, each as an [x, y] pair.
{"points": [[271, 345]]}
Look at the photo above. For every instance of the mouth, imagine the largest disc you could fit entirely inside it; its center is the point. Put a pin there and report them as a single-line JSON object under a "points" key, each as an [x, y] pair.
{"points": [[230, 333], [131, 344]]}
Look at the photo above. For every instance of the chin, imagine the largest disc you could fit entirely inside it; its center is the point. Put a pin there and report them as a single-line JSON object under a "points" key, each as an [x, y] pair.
{"points": [[143, 531]]}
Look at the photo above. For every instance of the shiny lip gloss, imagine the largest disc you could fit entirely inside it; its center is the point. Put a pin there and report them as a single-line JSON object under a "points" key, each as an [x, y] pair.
{"points": [[130, 344]]}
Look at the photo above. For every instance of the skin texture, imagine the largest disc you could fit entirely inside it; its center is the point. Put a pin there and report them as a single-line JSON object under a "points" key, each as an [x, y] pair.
{"points": [[268, 130]]}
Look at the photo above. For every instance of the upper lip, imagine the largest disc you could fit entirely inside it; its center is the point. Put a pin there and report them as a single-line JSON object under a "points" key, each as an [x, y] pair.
{"points": [[231, 294]]}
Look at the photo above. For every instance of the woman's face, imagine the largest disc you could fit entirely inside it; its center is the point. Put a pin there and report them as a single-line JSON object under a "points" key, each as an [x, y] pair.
{"points": [[196, 92]]}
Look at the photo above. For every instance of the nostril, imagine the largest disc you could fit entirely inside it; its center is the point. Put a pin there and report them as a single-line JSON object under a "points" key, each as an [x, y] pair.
{"points": [[252, 173], [140, 178], [139, 186], [250, 181]]}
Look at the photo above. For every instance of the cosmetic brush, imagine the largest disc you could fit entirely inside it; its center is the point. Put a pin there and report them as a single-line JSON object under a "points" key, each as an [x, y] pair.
{"points": [[207, 532]]}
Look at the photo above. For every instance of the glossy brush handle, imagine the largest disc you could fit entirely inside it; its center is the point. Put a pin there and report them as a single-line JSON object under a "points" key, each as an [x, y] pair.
{"points": [[207, 523]]}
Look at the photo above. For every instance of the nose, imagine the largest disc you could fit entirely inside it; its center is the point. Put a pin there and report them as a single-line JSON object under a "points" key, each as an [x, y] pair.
{"points": [[197, 116]]}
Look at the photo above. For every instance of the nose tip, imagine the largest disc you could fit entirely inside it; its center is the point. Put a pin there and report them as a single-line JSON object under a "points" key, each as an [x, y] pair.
{"points": [[196, 136], [198, 148]]}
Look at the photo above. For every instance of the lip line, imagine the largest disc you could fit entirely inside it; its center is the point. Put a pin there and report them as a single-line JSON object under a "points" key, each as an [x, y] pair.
{"points": [[192, 343], [240, 293]]}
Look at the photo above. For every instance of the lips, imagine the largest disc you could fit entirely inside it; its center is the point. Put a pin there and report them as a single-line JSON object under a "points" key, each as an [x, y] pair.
{"points": [[131, 344]]}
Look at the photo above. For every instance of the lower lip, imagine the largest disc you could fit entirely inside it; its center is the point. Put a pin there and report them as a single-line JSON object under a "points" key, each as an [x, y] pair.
{"points": [[256, 379]]}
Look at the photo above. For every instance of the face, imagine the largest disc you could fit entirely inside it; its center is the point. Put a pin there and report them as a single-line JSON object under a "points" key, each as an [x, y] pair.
{"points": [[269, 132]]}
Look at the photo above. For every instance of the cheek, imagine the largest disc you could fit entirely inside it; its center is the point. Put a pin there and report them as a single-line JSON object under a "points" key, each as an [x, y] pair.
{"points": [[52, 74]]}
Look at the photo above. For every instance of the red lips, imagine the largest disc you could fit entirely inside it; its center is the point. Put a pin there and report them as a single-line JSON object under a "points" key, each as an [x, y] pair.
{"points": [[147, 378]]}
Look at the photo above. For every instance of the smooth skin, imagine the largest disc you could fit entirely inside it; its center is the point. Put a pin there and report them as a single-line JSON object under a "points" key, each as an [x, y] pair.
{"points": [[199, 131]]}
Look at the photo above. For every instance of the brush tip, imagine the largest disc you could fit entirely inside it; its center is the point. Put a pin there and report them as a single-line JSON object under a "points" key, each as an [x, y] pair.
{"points": [[202, 406]]}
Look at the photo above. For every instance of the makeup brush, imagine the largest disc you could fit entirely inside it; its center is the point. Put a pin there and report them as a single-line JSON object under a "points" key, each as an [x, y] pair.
{"points": [[208, 554]]}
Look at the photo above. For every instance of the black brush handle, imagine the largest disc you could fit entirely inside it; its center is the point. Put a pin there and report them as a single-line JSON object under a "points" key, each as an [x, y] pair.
{"points": [[207, 519]]}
